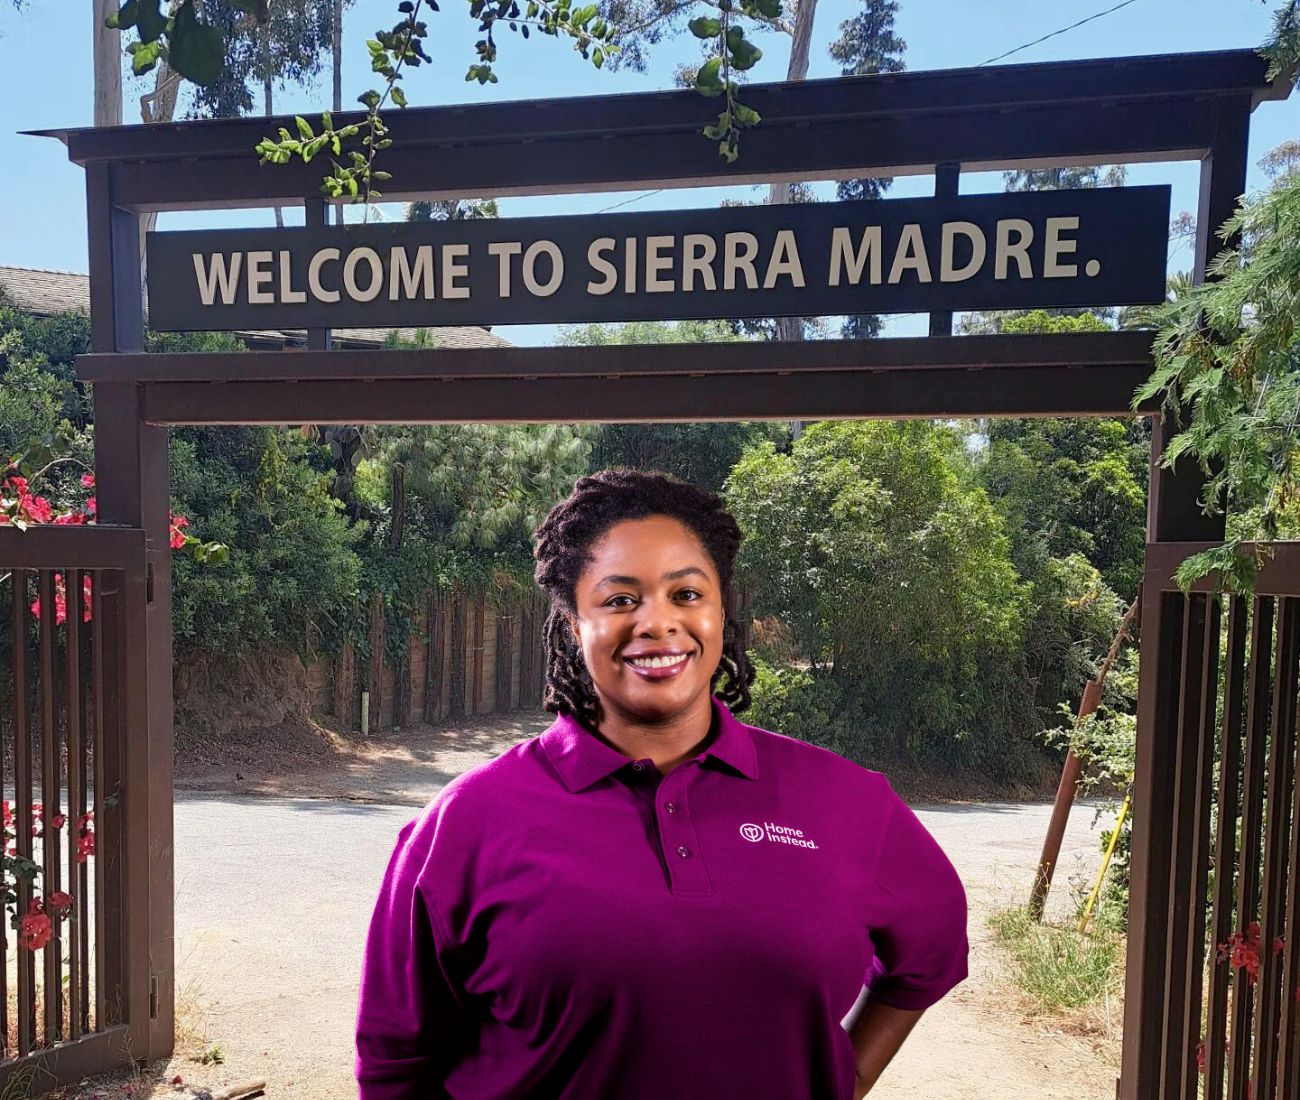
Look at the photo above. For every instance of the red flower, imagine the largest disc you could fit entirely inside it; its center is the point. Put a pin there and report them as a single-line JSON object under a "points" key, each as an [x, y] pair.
{"points": [[91, 506], [58, 821], [85, 847], [61, 599], [85, 819], [61, 902], [35, 931], [88, 480], [1200, 1056], [177, 535]]}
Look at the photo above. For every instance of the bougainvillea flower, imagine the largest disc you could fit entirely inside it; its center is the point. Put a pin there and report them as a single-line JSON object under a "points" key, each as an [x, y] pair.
{"points": [[35, 931]]}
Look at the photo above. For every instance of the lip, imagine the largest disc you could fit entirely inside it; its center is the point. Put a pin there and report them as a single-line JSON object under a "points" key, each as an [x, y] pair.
{"points": [[665, 672]]}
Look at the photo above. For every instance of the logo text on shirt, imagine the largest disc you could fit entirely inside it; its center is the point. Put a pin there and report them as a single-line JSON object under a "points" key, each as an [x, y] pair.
{"points": [[778, 834]]}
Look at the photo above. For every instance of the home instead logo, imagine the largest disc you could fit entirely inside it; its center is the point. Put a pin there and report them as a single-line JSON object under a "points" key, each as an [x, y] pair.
{"points": [[779, 834]]}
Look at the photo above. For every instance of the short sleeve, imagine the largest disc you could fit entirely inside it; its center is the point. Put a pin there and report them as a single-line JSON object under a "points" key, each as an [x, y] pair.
{"points": [[918, 922], [411, 1027]]}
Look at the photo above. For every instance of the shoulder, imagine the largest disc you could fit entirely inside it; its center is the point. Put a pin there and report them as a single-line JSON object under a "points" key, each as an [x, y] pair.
{"points": [[789, 758], [467, 805]]}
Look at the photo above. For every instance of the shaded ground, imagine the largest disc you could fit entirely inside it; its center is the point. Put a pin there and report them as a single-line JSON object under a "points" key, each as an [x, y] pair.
{"points": [[273, 895]]}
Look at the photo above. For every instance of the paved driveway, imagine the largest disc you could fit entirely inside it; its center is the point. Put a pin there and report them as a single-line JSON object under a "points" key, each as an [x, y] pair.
{"points": [[273, 896]]}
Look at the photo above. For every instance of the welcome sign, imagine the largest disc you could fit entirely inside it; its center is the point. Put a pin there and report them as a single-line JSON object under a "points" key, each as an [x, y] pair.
{"points": [[1103, 247]]}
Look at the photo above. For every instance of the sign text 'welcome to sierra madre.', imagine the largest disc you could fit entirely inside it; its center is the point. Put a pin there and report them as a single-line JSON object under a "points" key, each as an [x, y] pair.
{"points": [[1009, 251]]}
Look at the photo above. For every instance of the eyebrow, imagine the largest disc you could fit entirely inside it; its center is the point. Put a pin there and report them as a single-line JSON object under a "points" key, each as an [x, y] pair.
{"points": [[620, 578]]}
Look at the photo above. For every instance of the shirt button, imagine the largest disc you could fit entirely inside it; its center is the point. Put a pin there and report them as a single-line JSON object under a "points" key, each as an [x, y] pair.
{"points": [[671, 807], [638, 767], [683, 851]]}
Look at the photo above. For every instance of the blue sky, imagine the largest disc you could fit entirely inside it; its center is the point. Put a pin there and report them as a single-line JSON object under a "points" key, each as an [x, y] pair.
{"points": [[47, 220]]}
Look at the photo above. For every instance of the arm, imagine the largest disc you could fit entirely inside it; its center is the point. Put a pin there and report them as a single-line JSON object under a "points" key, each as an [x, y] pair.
{"points": [[411, 1026], [877, 1032]]}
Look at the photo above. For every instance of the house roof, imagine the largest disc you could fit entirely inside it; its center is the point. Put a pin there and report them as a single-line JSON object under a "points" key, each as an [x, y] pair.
{"points": [[45, 293]]}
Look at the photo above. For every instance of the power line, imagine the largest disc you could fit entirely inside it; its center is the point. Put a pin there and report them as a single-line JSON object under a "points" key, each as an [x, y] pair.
{"points": [[1054, 34], [634, 198]]}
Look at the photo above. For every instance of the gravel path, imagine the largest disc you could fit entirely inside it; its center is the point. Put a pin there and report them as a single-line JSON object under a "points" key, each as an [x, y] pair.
{"points": [[273, 895]]}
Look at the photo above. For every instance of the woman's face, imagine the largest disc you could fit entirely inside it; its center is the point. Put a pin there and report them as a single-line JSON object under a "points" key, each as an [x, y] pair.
{"points": [[650, 619]]}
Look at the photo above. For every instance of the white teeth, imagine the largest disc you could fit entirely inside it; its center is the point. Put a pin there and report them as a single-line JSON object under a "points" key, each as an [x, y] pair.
{"points": [[656, 662]]}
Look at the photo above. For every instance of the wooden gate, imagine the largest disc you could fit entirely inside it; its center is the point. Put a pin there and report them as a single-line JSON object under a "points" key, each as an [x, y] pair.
{"points": [[67, 1006], [1214, 990]]}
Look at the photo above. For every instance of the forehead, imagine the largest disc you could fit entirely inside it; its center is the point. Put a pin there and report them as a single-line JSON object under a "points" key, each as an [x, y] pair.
{"points": [[647, 543]]}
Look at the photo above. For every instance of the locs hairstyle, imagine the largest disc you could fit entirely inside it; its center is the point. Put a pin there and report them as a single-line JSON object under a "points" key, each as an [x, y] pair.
{"points": [[564, 541]]}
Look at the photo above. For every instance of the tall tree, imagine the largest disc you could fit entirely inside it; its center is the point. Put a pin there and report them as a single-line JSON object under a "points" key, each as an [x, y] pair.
{"points": [[867, 44], [108, 65], [701, 453]]}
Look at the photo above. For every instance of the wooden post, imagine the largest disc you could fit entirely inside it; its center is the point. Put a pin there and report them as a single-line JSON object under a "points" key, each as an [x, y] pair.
{"points": [[131, 468], [476, 704], [1173, 514], [375, 666], [344, 698], [456, 702]]}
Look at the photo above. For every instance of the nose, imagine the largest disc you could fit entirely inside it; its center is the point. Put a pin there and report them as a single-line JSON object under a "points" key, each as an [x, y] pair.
{"points": [[657, 618]]}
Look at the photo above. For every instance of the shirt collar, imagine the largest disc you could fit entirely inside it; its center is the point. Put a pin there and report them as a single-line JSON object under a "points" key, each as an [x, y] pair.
{"points": [[582, 758]]}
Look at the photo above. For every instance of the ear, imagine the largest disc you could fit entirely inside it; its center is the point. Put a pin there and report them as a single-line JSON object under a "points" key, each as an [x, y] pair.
{"points": [[574, 629]]}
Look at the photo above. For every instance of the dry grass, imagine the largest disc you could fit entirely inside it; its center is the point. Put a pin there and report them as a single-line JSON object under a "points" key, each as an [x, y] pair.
{"points": [[136, 1080], [1063, 981]]}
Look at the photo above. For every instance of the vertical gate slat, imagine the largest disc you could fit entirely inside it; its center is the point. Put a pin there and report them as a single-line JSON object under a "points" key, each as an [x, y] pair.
{"points": [[18, 706], [13, 620], [1289, 1054], [53, 987], [1258, 710], [105, 694], [1175, 1049], [1225, 844], [85, 707], [1280, 769], [75, 797], [23, 811], [1194, 960]]}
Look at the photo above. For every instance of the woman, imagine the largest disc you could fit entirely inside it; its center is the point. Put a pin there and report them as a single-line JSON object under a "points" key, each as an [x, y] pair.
{"points": [[651, 900]]}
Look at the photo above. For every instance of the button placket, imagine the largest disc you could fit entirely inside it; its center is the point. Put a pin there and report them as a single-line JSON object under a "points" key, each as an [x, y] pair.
{"points": [[677, 834]]}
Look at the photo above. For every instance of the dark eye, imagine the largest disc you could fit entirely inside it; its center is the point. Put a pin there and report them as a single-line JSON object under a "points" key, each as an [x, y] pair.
{"points": [[621, 596], [691, 592]]}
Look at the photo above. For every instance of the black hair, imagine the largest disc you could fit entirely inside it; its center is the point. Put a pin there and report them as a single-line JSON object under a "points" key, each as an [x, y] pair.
{"points": [[564, 541]]}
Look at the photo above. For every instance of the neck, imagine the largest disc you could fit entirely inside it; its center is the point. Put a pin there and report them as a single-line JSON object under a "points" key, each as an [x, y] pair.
{"points": [[669, 742]]}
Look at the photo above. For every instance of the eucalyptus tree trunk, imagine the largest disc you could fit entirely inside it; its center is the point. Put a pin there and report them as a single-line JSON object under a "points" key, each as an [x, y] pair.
{"points": [[791, 328], [108, 66], [337, 44], [268, 99]]}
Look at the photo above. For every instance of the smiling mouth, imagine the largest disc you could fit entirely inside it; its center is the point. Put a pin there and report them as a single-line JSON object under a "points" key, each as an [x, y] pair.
{"points": [[657, 668]]}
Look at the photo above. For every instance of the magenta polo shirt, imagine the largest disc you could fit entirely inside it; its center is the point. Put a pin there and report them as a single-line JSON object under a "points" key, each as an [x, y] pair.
{"points": [[564, 921]]}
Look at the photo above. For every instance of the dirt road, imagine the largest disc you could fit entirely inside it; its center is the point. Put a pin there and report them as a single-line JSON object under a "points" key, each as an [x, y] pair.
{"points": [[273, 896]]}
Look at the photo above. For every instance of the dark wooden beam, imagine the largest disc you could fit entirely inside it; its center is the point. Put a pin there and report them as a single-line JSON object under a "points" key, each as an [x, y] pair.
{"points": [[72, 547], [821, 395], [1074, 350]]}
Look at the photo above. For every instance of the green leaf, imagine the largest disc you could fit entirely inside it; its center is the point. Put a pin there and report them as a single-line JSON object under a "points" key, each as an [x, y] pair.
{"points": [[707, 77], [399, 97], [196, 50], [745, 116], [144, 56], [304, 128], [705, 26], [151, 21], [125, 16]]}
